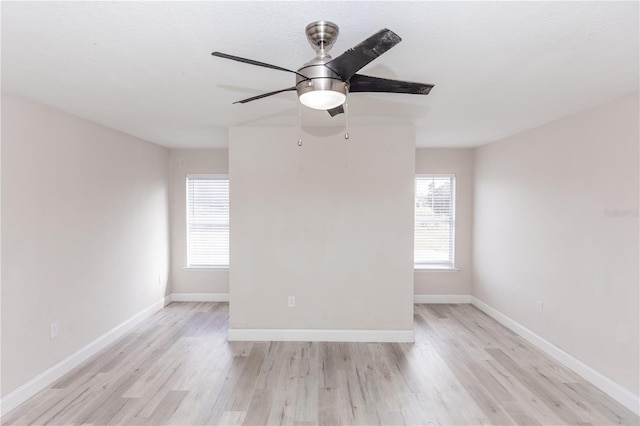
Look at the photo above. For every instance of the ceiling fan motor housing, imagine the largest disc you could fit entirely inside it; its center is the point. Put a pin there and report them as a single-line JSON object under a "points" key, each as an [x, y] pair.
{"points": [[319, 78]]}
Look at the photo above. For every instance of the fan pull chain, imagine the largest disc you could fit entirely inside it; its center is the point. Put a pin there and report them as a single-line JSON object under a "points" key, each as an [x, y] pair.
{"points": [[299, 124], [346, 113]]}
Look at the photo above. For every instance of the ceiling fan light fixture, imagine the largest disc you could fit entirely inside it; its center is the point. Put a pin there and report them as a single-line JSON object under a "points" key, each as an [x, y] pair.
{"points": [[322, 99], [318, 86]]}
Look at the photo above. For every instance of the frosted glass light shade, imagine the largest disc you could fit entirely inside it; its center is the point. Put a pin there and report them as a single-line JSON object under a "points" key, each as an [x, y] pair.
{"points": [[322, 99]]}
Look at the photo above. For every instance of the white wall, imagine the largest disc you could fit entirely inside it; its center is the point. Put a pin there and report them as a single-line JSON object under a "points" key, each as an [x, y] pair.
{"points": [[428, 160], [460, 163], [330, 222], [542, 232], [84, 233], [184, 162]]}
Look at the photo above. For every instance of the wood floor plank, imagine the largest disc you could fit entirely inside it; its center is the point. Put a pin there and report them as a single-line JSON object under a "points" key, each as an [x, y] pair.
{"points": [[167, 407], [245, 386], [198, 406], [306, 403], [525, 400], [75, 396], [442, 395], [283, 395], [259, 408], [609, 409], [328, 407], [232, 418], [177, 368], [272, 365], [224, 392], [561, 407], [457, 360], [399, 402]]}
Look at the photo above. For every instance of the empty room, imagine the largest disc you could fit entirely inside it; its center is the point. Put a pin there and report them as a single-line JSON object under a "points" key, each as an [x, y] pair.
{"points": [[320, 213]]}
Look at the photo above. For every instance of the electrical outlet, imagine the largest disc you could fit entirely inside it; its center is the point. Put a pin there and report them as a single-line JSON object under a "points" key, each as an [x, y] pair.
{"points": [[292, 301], [539, 307], [55, 330]]}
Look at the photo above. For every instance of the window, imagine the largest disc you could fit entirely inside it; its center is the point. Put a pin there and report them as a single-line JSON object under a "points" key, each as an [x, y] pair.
{"points": [[434, 221], [207, 221]]}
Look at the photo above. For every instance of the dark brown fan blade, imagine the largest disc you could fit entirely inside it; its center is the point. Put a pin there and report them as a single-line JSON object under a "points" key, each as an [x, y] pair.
{"points": [[335, 111], [365, 83], [252, 62], [264, 95], [351, 61]]}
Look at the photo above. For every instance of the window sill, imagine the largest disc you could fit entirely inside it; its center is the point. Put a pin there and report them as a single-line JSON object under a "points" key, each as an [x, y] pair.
{"points": [[205, 268], [434, 269]]}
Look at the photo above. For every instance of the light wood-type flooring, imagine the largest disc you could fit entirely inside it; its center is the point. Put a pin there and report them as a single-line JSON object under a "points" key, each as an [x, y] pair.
{"points": [[178, 368]]}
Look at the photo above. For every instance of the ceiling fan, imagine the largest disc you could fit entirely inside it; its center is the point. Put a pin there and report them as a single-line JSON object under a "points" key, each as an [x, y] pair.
{"points": [[323, 83]]}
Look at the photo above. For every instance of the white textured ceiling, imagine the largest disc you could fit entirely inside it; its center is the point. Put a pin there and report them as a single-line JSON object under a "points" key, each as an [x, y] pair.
{"points": [[146, 68]]}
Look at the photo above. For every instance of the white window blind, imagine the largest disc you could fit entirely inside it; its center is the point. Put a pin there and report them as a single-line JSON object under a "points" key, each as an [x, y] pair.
{"points": [[434, 221], [207, 221]]}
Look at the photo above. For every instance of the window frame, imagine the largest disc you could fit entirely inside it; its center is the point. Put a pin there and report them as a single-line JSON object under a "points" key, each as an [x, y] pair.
{"points": [[448, 266], [203, 176]]}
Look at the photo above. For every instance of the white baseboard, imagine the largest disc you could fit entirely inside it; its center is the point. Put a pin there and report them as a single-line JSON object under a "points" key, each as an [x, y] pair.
{"points": [[44, 379], [442, 298], [199, 297], [286, 335], [614, 390]]}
